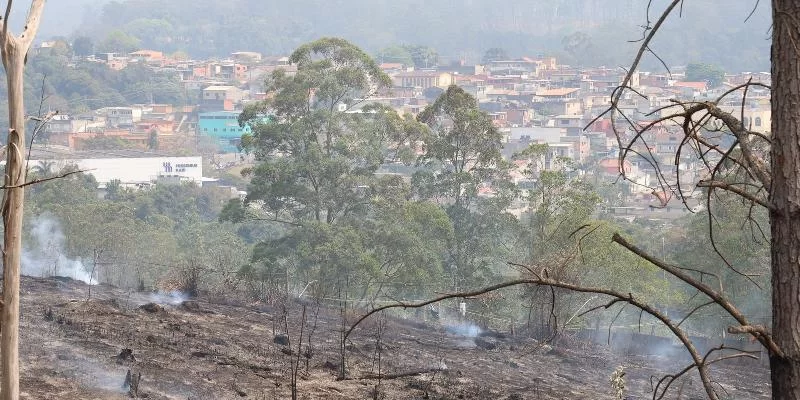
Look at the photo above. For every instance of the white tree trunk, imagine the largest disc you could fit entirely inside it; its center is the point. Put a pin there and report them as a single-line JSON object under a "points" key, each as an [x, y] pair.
{"points": [[14, 51]]}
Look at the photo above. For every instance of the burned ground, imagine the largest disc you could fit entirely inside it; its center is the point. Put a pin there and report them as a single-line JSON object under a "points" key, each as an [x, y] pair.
{"points": [[74, 348]]}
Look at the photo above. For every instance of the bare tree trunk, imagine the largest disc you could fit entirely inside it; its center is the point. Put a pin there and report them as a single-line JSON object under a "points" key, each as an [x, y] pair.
{"points": [[14, 52], [785, 197], [12, 221]]}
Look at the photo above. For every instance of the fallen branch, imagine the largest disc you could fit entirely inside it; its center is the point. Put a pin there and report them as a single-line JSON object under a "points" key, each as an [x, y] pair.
{"points": [[402, 374]]}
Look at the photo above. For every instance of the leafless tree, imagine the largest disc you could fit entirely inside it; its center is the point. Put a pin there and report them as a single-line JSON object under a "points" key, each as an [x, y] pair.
{"points": [[14, 53], [294, 355], [763, 169], [377, 357]]}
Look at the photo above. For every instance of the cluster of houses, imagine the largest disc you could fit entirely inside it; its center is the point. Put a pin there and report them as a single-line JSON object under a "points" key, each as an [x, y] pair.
{"points": [[530, 100], [538, 101], [221, 88]]}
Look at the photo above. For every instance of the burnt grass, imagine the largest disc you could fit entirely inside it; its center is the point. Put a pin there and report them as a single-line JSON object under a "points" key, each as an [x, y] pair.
{"points": [[74, 348]]}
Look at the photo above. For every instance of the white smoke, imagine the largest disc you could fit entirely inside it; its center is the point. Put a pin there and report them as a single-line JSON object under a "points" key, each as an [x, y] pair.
{"points": [[172, 298], [45, 255], [467, 329]]}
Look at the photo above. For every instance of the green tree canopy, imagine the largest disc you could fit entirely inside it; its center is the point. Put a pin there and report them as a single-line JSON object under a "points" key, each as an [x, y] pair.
{"points": [[118, 41], [316, 173], [83, 46], [464, 142], [395, 54], [461, 157], [155, 32], [423, 56], [313, 156], [700, 72]]}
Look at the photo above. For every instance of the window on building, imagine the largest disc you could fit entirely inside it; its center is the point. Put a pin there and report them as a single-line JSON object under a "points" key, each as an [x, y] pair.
{"points": [[758, 121], [215, 129]]}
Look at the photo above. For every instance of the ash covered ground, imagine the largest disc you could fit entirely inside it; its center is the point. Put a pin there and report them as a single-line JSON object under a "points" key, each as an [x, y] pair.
{"points": [[73, 348]]}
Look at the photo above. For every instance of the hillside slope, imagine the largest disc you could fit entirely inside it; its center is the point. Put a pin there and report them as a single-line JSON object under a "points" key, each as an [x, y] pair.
{"points": [[72, 349]]}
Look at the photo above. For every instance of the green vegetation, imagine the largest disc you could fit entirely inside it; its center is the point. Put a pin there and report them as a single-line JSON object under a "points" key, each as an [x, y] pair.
{"points": [[345, 232], [133, 238], [80, 86], [322, 220], [83, 46], [462, 155], [105, 143], [395, 54], [317, 173], [710, 73]]}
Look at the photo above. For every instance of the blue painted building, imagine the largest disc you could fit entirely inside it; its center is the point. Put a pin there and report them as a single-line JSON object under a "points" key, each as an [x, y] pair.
{"points": [[223, 127]]}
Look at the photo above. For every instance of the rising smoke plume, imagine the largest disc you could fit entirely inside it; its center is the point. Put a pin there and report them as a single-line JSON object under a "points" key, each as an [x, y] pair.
{"points": [[45, 254]]}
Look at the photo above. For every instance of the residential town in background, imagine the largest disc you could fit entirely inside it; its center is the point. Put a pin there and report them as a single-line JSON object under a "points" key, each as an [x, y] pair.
{"points": [[530, 100]]}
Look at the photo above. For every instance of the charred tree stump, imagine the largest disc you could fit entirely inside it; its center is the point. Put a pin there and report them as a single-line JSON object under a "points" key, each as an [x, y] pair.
{"points": [[131, 383], [124, 356]]}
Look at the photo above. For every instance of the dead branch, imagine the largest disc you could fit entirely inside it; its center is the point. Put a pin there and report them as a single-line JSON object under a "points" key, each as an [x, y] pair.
{"points": [[668, 380], [645, 43], [743, 136], [604, 306], [755, 330], [717, 297], [702, 124], [405, 374], [31, 23], [280, 221], [734, 189], [40, 180], [5, 19], [694, 310], [41, 122]]}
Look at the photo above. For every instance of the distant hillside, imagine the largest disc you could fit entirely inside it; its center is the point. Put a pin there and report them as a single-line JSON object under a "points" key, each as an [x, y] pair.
{"points": [[709, 31]]}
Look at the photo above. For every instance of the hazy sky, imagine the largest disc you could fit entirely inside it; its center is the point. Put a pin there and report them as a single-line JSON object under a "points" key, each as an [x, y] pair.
{"points": [[707, 31], [60, 18]]}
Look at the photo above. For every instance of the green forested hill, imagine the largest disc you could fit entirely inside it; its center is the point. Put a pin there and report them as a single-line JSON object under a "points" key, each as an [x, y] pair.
{"points": [[455, 28], [73, 87]]}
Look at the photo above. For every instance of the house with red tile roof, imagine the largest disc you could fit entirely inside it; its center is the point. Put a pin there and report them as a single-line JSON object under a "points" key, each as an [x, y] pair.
{"points": [[691, 89]]}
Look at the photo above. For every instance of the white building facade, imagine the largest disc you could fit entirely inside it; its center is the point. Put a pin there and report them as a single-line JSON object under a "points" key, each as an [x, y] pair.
{"points": [[134, 171]]}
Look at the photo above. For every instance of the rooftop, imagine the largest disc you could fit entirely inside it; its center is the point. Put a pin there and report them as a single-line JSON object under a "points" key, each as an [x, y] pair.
{"points": [[420, 73], [556, 92], [219, 88], [39, 152], [692, 85]]}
